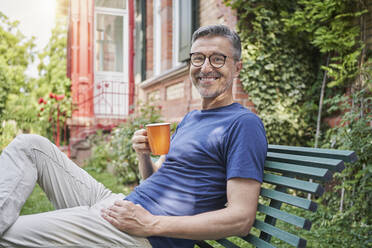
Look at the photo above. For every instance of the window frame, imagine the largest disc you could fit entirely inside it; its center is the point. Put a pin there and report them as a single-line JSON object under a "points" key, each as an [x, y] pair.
{"points": [[175, 32], [156, 37]]}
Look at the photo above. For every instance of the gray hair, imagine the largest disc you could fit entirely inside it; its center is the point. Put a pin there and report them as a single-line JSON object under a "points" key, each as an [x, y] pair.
{"points": [[220, 30]]}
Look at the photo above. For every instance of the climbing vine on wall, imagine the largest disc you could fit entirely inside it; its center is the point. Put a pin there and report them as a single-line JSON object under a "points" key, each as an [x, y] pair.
{"points": [[285, 46], [278, 71], [333, 27]]}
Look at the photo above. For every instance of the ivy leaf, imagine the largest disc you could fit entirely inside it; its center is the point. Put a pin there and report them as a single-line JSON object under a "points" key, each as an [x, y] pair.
{"points": [[269, 67]]}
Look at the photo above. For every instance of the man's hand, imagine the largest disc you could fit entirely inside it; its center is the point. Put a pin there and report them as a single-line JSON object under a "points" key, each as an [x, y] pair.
{"points": [[140, 142], [141, 145], [130, 218]]}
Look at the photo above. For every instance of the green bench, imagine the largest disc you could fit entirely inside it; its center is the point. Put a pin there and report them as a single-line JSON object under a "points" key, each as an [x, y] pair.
{"points": [[286, 183]]}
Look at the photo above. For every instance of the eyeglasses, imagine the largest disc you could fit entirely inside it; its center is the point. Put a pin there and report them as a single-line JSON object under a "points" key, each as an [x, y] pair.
{"points": [[216, 60]]}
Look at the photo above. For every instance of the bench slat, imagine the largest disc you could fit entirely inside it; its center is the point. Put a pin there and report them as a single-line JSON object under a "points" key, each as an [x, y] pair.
{"points": [[284, 216], [280, 234], [305, 186], [333, 165], [289, 199], [347, 156], [227, 243], [257, 242], [203, 244], [298, 170]]}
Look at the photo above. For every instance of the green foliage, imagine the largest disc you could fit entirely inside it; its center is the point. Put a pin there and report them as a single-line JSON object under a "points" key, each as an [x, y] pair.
{"points": [[284, 43], [53, 82], [52, 67], [15, 54], [19, 95], [278, 72], [351, 226], [9, 131], [331, 27], [355, 133], [115, 150]]}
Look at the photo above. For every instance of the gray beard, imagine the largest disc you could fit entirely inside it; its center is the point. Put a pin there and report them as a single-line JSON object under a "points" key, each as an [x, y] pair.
{"points": [[215, 94]]}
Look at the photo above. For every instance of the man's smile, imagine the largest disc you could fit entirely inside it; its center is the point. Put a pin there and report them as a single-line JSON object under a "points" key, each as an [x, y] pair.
{"points": [[208, 78], [207, 81]]}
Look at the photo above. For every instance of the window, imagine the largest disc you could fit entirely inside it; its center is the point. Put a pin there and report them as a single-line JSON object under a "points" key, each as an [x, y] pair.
{"points": [[140, 41], [188, 23], [110, 59], [175, 32], [109, 43]]}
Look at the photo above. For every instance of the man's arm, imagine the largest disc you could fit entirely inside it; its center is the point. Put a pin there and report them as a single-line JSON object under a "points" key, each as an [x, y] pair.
{"points": [[142, 148], [236, 219]]}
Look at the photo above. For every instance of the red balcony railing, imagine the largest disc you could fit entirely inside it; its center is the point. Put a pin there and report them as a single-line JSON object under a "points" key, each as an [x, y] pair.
{"points": [[110, 104]]}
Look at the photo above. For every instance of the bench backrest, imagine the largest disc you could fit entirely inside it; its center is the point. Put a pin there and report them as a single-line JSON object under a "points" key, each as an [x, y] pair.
{"points": [[291, 173]]}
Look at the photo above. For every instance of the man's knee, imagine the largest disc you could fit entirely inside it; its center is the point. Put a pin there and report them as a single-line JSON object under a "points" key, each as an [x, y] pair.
{"points": [[29, 141]]}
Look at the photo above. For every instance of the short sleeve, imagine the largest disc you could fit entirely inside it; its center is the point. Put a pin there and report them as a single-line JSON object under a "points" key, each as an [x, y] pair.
{"points": [[245, 148]]}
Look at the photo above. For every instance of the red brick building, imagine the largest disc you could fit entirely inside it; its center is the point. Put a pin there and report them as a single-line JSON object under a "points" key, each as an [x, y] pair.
{"points": [[100, 66], [124, 51]]}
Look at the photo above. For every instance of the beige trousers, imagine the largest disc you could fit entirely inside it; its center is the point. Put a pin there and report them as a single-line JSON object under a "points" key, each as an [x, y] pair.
{"points": [[77, 197]]}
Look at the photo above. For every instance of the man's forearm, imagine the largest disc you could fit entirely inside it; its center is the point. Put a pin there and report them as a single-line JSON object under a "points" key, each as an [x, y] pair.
{"points": [[145, 165], [211, 225]]}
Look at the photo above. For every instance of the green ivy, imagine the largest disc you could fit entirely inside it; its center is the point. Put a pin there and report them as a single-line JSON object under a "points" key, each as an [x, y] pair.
{"points": [[285, 46], [278, 72], [332, 27]]}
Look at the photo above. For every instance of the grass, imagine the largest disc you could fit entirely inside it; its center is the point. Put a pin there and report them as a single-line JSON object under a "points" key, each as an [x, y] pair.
{"points": [[38, 201]]}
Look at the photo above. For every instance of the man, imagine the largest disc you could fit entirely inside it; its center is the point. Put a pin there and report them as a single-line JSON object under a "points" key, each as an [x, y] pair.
{"points": [[206, 187]]}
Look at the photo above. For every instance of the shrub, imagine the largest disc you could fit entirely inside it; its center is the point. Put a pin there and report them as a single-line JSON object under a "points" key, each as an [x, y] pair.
{"points": [[115, 149]]}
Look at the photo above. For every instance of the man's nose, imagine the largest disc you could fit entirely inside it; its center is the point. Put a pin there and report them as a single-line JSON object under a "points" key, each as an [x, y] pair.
{"points": [[206, 67]]}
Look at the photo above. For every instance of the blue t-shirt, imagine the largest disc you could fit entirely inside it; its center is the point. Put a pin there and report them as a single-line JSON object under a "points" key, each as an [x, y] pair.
{"points": [[208, 148]]}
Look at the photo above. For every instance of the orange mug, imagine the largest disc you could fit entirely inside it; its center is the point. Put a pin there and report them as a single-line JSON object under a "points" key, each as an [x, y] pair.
{"points": [[159, 137]]}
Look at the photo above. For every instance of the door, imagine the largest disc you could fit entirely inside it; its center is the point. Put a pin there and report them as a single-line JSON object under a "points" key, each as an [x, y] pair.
{"points": [[111, 91]]}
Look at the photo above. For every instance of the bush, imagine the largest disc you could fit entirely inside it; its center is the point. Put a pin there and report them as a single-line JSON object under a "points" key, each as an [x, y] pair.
{"points": [[115, 149], [8, 130], [344, 218]]}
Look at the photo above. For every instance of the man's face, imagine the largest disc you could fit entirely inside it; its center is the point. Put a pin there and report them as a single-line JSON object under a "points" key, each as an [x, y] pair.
{"points": [[212, 82]]}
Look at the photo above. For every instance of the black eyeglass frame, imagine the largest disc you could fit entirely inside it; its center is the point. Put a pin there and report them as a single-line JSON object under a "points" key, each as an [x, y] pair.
{"points": [[209, 59]]}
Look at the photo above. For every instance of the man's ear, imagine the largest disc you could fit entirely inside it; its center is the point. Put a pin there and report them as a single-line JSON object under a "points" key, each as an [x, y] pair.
{"points": [[238, 68]]}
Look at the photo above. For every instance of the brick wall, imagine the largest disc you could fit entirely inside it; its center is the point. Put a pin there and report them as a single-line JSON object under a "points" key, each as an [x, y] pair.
{"points": [[214, 11], [173, 91]]}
